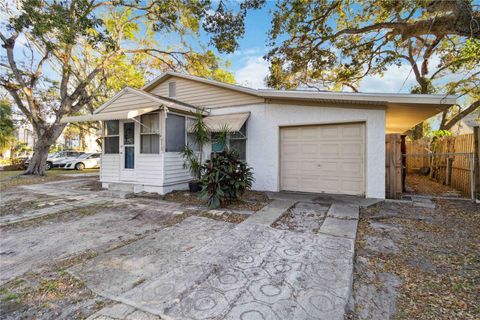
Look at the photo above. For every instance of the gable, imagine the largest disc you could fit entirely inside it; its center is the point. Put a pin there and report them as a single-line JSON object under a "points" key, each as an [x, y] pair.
{"points": [[129, 100], [204, 95]]}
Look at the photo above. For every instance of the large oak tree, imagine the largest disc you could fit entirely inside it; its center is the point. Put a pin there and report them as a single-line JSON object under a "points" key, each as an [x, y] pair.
{"points": [[336, 44], [78, 50]]}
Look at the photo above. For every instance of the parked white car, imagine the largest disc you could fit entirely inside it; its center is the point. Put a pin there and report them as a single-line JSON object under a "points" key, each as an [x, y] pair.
{"points": [[58, 159], [85, 161]]}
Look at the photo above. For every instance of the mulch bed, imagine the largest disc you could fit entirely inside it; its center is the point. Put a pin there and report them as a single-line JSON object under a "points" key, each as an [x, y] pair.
{"points": [[438, 259], [250, 201]]}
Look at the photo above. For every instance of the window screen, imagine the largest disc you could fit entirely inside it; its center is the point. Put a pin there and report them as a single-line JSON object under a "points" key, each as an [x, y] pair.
{"points": [[111, 127], [150, 133], [175, 139], [112, 138], [112, 144], [172, 89]]}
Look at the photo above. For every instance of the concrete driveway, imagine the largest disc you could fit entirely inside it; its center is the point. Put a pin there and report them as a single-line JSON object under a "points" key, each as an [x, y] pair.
{"points": [[199, 268]]}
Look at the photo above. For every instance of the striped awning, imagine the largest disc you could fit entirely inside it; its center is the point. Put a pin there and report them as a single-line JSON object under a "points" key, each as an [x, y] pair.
{"points": [[232, 122]]}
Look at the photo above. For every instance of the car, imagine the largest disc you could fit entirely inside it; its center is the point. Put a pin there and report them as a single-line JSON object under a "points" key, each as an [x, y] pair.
{"points": [[58, 159], [85, 161]]}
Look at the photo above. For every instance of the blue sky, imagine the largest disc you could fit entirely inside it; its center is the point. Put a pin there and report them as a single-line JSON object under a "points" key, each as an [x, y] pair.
{"points": [[250, 69]]}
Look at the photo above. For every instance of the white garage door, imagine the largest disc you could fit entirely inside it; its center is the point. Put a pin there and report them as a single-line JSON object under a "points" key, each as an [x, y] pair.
{"points": [[323, 158]]}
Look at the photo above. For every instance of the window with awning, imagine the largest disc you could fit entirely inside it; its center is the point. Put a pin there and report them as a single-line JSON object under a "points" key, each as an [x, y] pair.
{"points": [[237, 136]]}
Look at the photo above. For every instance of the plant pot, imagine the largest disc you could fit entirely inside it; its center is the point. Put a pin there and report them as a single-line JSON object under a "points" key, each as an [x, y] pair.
{"points": [[194, 186]]}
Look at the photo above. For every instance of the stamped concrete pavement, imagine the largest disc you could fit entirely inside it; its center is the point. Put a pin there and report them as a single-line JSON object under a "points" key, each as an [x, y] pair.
{"points": [[248, 271]]}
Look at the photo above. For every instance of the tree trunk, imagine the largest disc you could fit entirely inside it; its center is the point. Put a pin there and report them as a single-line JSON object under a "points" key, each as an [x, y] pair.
{"points": [[417, 131], [41, 148]]}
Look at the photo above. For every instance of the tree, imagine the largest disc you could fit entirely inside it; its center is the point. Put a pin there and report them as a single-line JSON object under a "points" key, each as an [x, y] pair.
{"points": [[336, 44], [7, 125], [75, 47]]}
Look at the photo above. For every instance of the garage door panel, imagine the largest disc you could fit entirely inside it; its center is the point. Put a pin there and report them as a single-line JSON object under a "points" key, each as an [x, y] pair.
{"points": [[308, 149], [351, 169], [352, 186], [328, 132], [349, 131], [327, 150], [292, 134], [291, 149], [308, 133], [327, 167], [324, 158], [352, 149]]}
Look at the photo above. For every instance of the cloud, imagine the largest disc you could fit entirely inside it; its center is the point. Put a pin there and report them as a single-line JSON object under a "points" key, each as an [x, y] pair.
{"points": [[253, 72], [391, 82]]}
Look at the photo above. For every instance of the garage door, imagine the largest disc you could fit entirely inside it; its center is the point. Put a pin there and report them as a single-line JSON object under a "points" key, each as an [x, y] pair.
{"points": [[323, 158]]}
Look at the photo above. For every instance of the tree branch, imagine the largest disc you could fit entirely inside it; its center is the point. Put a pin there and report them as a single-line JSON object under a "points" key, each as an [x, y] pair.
{"points": [[459, 116]]}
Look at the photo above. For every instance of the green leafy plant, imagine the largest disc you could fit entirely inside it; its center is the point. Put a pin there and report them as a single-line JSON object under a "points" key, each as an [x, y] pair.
{"points": [[193, 159], [225, 178]]}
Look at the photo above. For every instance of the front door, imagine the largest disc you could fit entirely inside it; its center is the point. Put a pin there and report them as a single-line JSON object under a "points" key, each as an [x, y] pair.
{"points": [[128, 149]]}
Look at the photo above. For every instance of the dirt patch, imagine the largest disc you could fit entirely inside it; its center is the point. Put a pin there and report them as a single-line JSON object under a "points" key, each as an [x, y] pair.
{"points": [[415, 263], [50, 294], [227, 216], [303, 217], [423, 185], [250, 201]]}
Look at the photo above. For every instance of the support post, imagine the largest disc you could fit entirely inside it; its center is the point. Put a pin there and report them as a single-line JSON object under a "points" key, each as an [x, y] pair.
{"points": [[472, 176], [448, 174], [476, 159]]}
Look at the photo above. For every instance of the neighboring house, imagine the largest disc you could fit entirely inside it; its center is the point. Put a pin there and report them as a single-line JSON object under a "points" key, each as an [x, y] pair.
{"points": [[465, 126], [88, 145], [306, 141]]}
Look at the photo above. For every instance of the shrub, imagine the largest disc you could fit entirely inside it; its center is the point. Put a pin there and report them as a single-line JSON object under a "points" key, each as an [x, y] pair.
{"points": [[225, 178]]}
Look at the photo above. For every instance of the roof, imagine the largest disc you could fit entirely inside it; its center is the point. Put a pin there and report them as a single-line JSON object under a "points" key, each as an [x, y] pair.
{"points": [[118, 115], [102, 113], [167, 102], [324, 96]]}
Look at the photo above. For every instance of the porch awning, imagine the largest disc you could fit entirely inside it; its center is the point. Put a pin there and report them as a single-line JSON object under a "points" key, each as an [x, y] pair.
{"points": [[117, 115], [233, 122]]}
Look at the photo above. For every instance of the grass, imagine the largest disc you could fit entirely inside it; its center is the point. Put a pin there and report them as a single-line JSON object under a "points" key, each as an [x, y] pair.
{"points": [[13, 178]]}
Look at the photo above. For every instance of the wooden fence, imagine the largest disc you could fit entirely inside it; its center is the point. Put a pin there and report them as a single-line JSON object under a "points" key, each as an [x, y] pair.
{"points": [[449, 163]]}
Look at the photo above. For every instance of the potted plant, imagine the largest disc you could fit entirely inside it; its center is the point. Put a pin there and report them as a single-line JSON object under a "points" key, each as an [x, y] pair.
{"points": [[193, 154]]}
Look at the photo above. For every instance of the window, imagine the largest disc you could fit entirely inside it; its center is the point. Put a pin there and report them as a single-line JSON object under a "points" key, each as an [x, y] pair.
{"points": [[150, 133], [191, 141], [236, 141], [112, 138], [172, 89], [175, 140]]}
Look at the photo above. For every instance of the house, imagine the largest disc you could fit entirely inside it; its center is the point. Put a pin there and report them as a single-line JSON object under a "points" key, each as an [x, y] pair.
{"points": [[466, 125], [304, 141]]}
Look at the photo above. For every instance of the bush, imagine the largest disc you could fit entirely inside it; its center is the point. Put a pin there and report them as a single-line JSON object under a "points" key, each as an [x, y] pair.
{"points": [[225, 178]]}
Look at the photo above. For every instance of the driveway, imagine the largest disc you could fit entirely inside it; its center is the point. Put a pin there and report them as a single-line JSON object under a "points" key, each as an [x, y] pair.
{"points": [[150, 266]]}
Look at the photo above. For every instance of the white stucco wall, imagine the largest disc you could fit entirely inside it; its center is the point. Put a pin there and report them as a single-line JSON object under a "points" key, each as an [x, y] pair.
{"points": [[263, 130]]}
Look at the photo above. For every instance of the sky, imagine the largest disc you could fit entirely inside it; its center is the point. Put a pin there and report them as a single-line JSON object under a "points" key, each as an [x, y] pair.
{"points": [[250, 68]]}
